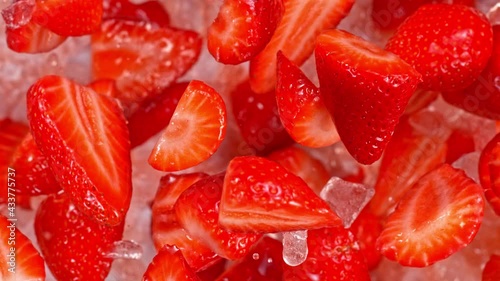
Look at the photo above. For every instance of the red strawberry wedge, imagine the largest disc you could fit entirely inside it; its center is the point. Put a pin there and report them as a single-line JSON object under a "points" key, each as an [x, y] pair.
{"points": [[489, 172], [149, 11], [85, 139], [301, 107], [169, 265], [448, 44], [366, 90], [438, 216], [195, 132], [73, 245], [491, 271], [24, 263], [69, 17], [302, 22], [242, 29], [106, 87], [261, 196]]}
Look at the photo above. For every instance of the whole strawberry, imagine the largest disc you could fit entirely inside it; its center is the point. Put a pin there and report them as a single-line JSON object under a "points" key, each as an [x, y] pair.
{"points": [[448, 44]]}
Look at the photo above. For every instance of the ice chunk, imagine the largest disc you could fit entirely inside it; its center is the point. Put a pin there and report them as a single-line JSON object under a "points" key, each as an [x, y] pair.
{"points": [[125, 249], [295, 247], [469, 163], [347, 199], [18, 14]]}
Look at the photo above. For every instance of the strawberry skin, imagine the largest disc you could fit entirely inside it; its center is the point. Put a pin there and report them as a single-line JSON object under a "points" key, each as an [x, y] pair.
{"points": [[69, 17], [365, 89], [448, 44], [367, 228], [169, 265], [85, 139], [491, 271], [301, 107], [489, 173], [150, 11], [242, 29], [261, 196], [195, 132], [29, 265], [73, 245], [438, 216]]}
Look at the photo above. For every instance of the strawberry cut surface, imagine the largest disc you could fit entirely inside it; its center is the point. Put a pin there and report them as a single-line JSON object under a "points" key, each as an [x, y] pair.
{"points": [[169, 265], [85, 137], [489, 172], [438, 216]]}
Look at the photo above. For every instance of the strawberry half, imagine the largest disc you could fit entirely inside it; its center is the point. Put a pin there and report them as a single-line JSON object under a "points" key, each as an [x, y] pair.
{"points": [[85, 139], [261, 196], [169, 265], [489, 172], [367, 228], [150, 11], [73, 245], [143, 59], [448, 44], [302, 22], [301, 107], [242, 29], [334, 255], [366, 90], [24, 263], [438, 216], [197, 210], [195, 132], [491, 271]]}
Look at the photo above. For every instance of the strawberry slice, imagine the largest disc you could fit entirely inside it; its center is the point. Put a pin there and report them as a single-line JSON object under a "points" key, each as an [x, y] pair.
{"points": [[169, 265], [154, 114], [367, 228], [261, 196], [150, 11], [24, 263], [458, 144], [69, 17], [106, 87], [300, 163], [489, 172], [448, 44], [86, 138], [197, 210], [302, 22], [213, 271], [438, 216], [491, 271], [421, 99], [301, 107], [258, 120], [195, 132], [366, 90], [242, 29], [334, 255], [73, 245], [143, 59]]}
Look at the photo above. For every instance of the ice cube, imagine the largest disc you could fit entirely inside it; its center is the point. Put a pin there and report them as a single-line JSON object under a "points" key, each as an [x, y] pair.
{"points": [[295, 247], [347, 199], [125, 249], [469, 163], [18, 14]]}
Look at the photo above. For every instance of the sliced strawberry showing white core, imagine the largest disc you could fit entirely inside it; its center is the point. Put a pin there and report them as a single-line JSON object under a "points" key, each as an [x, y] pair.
{"points": [[24, 263], [302, 22], [261, 196], [438, 216], [195, 132], [301, 107], [169, 265], [85, 138]]}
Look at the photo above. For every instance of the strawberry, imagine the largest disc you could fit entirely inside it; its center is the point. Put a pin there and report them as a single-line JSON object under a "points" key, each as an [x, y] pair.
{"points": [[483, 96], [261, 196], [106, 87], [150, 11], [366, 90], [195, 132], [438, 216], [258, 120], [458, 144], [367, 228], [213, 271], [420, 100], [197, 210], [85, 139], [69, 17], [143, 59], [263, 263], [334, 255], [33, 174], [489, 173], [19, 259], [242, 29], [301, 107], [154, 114], [448, 44], [169, 265], [491, 271], [73, 245], [300, 163], [302, 22]]}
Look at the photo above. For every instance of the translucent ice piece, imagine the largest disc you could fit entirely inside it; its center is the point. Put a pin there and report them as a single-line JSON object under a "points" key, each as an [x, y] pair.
{"points": [[18, 14], [494, 14], [125, 249], [347, 199], [469, 163], [295, 247]]}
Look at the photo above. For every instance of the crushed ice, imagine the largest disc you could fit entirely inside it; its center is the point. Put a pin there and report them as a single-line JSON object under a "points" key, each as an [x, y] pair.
{"points": [[295, 247]]}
